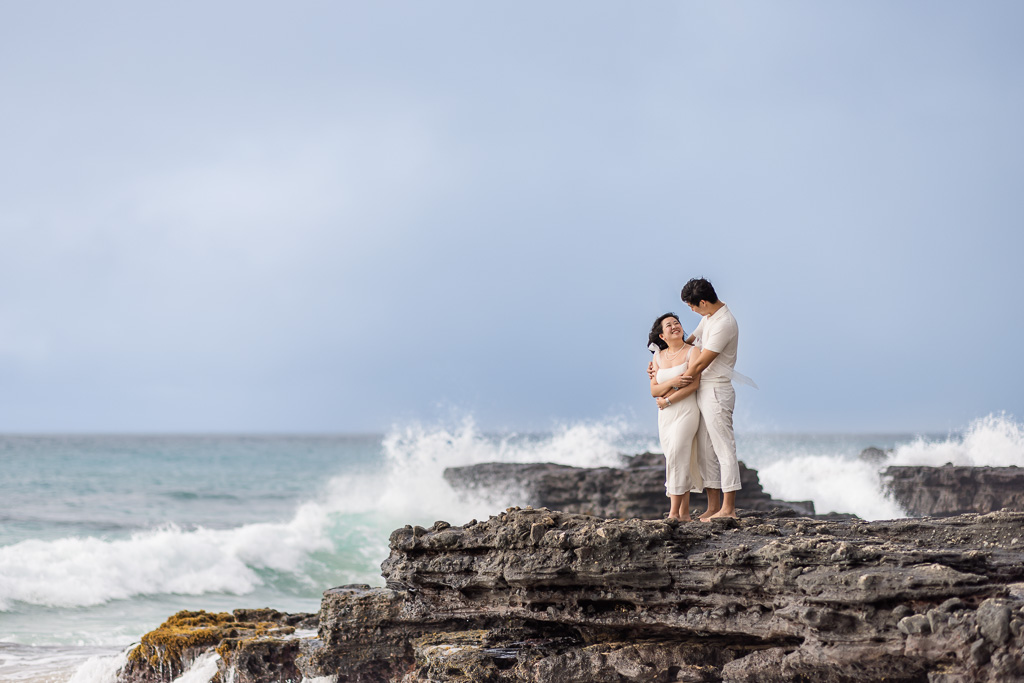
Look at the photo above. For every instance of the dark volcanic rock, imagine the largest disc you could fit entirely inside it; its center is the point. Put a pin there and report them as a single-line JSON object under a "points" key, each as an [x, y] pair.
{"points": [[636, 490], [955, 489], [552, 597], [536, 595], [875, 456]]}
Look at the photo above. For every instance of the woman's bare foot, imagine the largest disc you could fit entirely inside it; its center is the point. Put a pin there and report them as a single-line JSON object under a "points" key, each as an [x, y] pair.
{"points": [[681, 518], [714, 503]]}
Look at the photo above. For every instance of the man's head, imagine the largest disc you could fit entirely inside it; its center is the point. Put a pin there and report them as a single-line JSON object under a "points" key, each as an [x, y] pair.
{"points": [[699, 295]]}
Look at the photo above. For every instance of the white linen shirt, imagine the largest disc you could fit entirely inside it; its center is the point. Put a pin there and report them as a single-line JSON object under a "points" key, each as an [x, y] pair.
{"points": [[719, 332]]}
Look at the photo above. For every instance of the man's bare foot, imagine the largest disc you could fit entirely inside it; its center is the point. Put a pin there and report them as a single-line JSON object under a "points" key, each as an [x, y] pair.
{"points": [[722, 514], [705, 516]]}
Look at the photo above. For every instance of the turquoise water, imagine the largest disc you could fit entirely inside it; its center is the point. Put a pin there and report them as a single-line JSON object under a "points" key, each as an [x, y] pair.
{"points": [[54, 486], [103, 537]]}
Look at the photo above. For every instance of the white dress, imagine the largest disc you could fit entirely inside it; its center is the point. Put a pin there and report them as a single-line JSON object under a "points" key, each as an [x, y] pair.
{"points": [[677, 429]]}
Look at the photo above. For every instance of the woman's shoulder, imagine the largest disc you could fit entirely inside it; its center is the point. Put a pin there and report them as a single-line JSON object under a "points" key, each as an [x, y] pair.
{"points": [[691, 354]]}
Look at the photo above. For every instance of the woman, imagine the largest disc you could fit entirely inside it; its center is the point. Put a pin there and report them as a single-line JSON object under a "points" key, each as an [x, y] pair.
{"points": [[678, 417]]}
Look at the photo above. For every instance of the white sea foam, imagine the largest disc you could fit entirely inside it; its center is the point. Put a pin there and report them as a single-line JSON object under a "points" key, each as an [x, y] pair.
{"points": [[60, 664], [202, 670], [74, 572], [340, 535], [833, 482], [411, 488], [100, 669], [416, 458], [840, 482], [993, 441]]}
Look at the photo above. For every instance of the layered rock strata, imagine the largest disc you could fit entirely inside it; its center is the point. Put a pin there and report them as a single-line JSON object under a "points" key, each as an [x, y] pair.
{"points": [[537, 595], [955, 489], [636, 490]]}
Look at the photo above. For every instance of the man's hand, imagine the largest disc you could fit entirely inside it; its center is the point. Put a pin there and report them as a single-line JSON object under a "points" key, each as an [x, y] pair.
{"points": [[682, 381], [650, 370]]}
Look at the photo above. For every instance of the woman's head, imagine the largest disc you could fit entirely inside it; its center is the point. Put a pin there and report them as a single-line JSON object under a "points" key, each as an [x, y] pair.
{"points": [[658, 330]]}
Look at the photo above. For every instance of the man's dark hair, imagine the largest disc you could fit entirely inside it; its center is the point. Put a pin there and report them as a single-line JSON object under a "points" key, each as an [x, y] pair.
{"points": [[655, 336], [698, 289]]}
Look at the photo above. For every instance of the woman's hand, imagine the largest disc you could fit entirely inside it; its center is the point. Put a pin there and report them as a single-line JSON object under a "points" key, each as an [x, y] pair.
{"points": [[662, 403]]}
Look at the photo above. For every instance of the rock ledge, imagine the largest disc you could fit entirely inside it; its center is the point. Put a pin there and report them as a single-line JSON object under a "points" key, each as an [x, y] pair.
{"points": [[539, 595]]}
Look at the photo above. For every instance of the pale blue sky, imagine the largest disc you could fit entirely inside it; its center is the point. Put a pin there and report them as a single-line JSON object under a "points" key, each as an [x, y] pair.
{"points": [[334, 217]]}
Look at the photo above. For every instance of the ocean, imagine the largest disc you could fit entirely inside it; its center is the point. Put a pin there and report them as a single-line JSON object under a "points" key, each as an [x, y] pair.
{"points": [[103, 537]]}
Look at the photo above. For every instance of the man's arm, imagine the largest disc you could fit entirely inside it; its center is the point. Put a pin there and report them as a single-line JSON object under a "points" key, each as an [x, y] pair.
{"points": [[718, 337], [700, 365]]}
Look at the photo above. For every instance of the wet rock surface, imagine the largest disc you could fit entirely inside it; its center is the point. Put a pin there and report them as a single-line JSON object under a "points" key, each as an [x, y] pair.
{"points": [[249, 645], [955, 489], [554, 596], [636, 490], [545, 596], [757, 599]]}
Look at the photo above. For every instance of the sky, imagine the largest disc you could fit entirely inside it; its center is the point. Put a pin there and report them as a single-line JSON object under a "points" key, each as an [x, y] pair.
{"points": [[343, 217]]}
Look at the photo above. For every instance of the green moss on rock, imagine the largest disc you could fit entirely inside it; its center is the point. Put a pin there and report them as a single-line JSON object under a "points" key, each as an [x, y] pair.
{"points": [[166, 648]]}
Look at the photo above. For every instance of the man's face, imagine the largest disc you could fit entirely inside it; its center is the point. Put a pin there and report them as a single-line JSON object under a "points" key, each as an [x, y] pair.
{"points": [[700, 308]]}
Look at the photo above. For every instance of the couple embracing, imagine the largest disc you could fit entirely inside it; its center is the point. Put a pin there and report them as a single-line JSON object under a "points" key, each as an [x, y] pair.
{"points": [[691, 380]]}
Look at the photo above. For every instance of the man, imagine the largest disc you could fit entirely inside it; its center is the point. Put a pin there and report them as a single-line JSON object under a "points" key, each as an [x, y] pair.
{"points": [[716, 398]]}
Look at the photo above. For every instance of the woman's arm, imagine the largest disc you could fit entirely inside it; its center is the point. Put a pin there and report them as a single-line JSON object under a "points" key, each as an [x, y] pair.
{"points": [[657, 389], [666, 387], [660, 389], [678, 394]]}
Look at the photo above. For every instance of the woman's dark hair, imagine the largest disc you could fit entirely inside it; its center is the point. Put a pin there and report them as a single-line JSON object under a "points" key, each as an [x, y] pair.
{"points": [[655, 336], [696, 290]]}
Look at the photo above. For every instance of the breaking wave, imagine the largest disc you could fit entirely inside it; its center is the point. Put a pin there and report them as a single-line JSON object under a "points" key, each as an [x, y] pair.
{"points": [[842, 482], [339, 536]]}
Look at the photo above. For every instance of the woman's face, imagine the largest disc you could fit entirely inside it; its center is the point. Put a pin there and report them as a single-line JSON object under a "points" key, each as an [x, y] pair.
{"points": [[671, 329]]}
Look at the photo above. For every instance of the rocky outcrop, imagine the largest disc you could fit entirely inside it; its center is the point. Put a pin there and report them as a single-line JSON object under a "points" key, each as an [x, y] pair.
{"points": [[636, 490], [955, 489], [245, 646], [545, 596], [874, 455]]}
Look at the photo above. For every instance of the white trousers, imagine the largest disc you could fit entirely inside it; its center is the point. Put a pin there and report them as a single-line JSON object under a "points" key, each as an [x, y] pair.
{"points": [[677, 430], [715, 437]]}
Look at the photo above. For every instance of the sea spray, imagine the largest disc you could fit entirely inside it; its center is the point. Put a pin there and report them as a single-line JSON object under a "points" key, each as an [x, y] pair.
{"points": [[834, 483], [339, 533], [410, 487], [839, 481], [202, 670], [101, 669], [417, 456], [337, 536], [995, 440], [118, 574]]}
